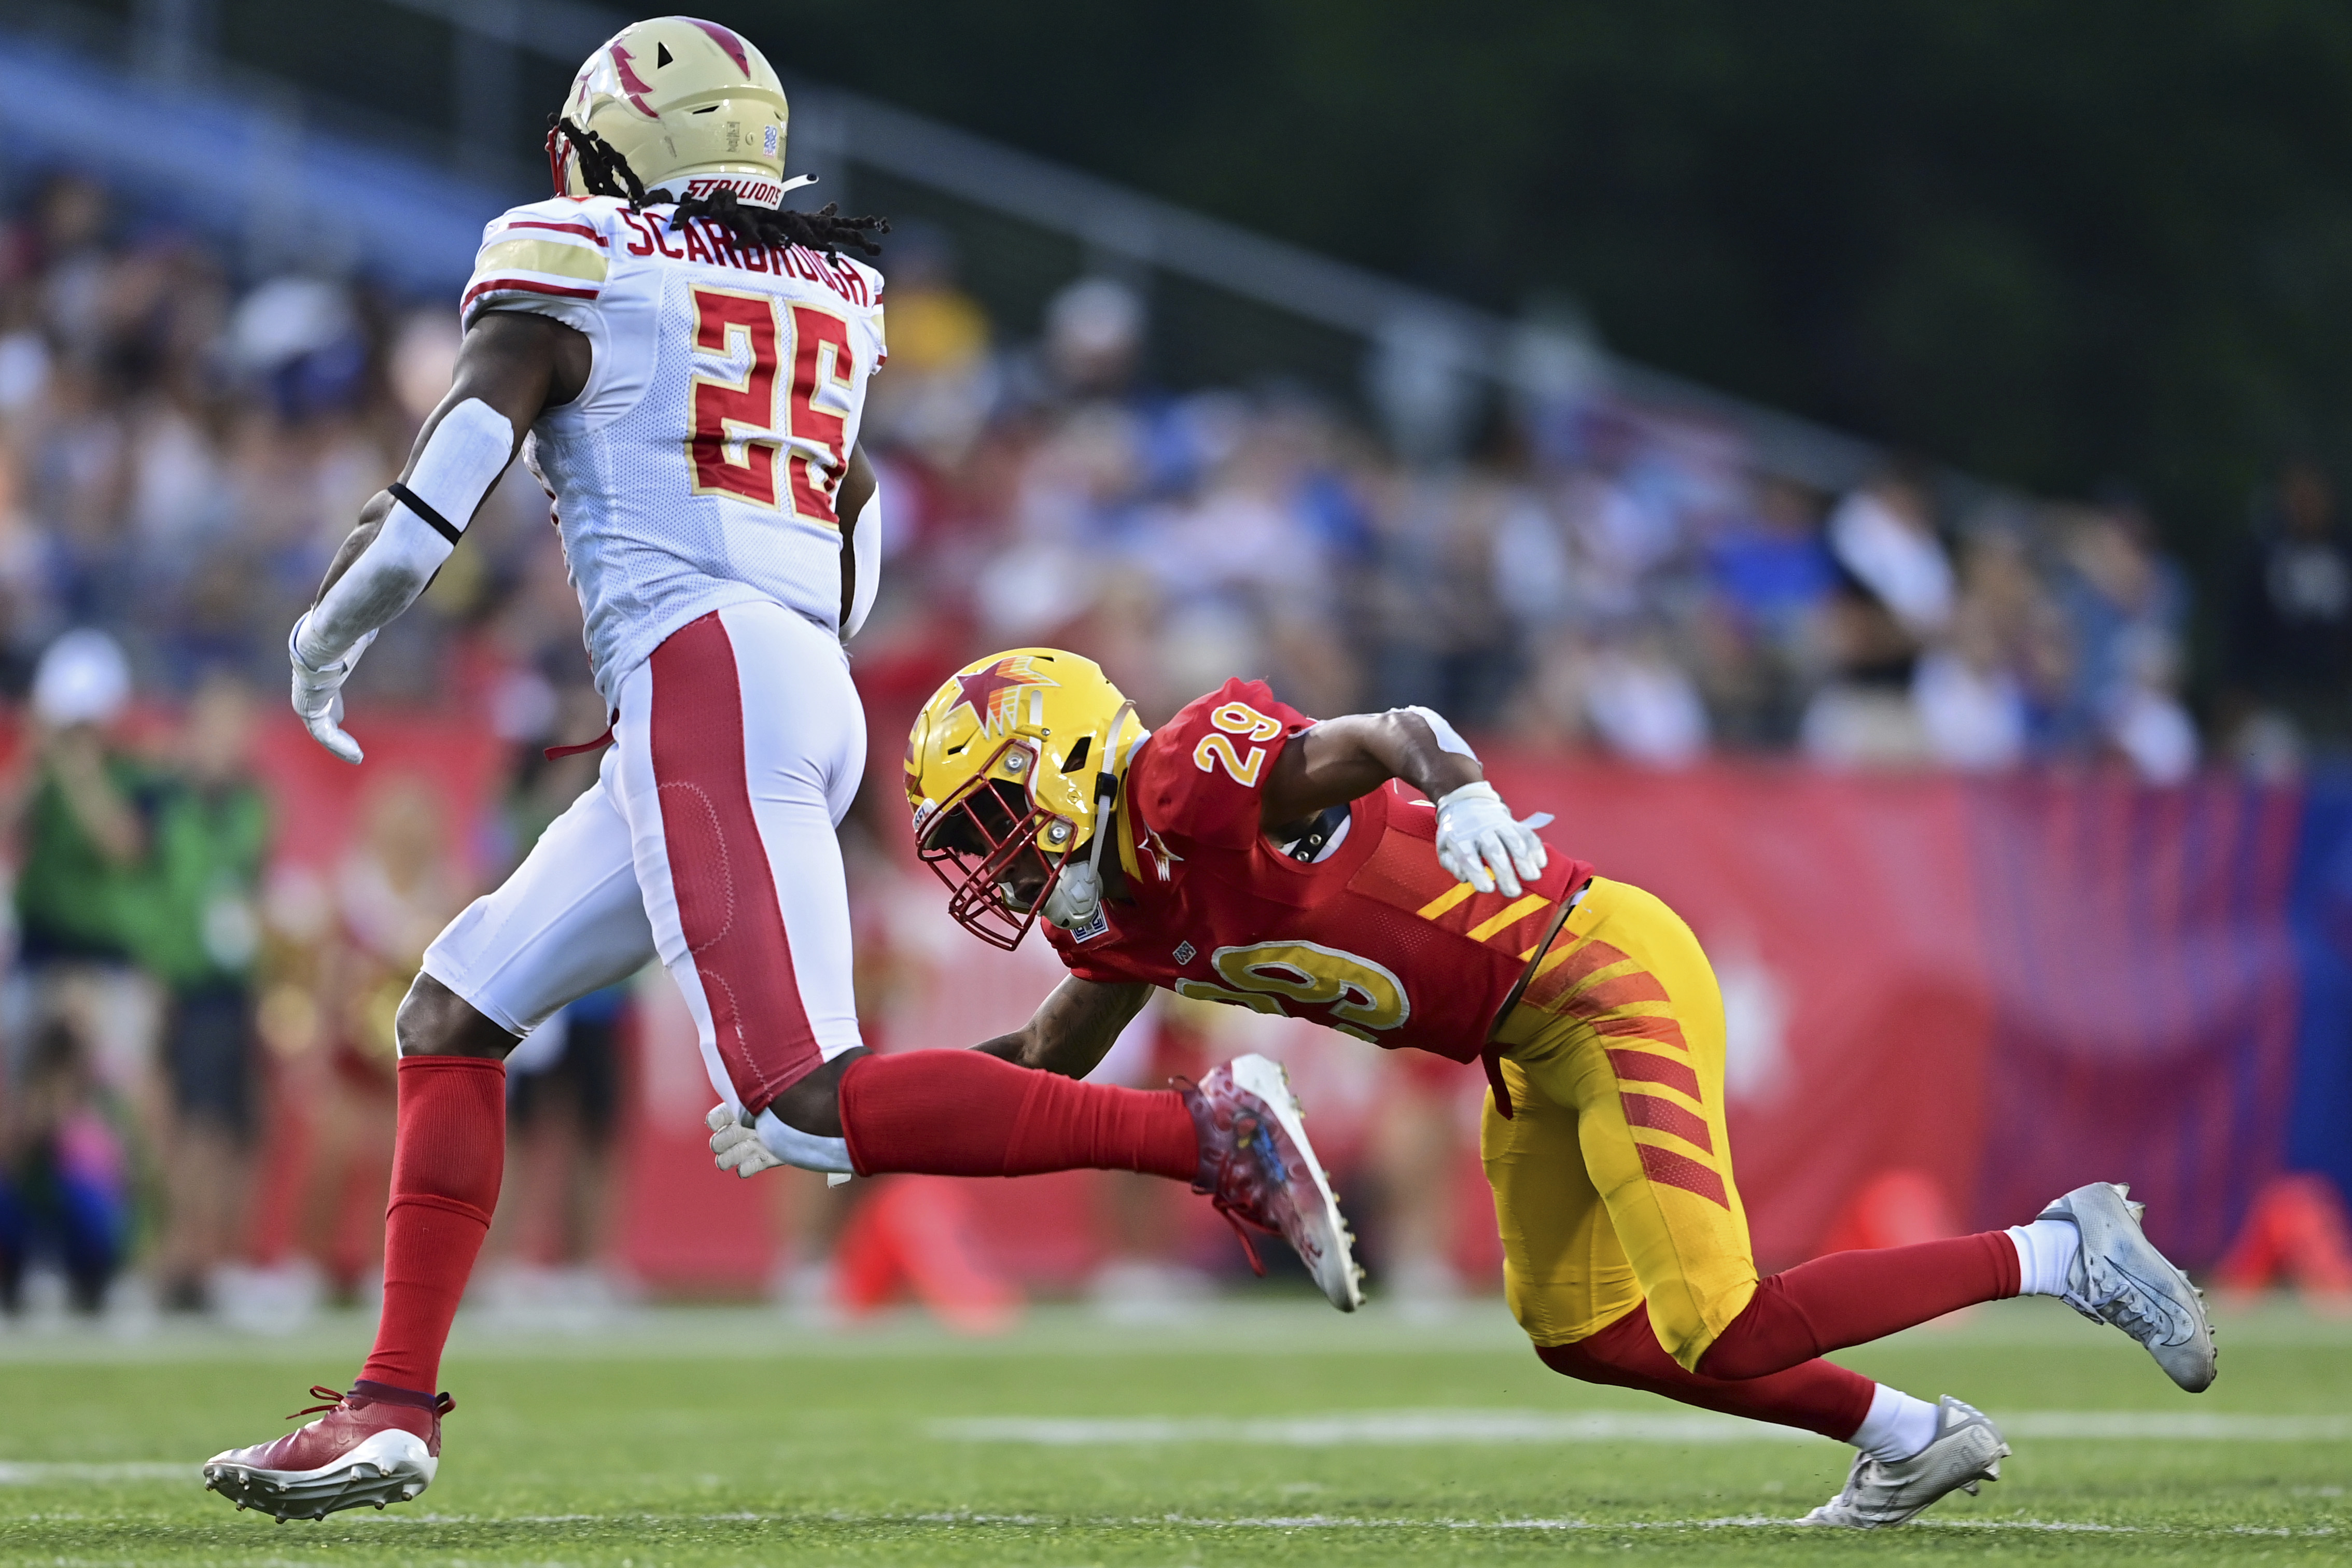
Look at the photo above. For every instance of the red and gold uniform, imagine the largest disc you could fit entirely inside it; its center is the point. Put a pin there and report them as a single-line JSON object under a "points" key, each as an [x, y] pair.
{"points": [[1612, 1169], [1600, 1024], [1376, 939]]}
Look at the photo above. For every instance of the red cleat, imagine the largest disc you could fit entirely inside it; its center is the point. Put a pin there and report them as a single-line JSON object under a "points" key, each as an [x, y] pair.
{"points": [[375, 1445], [1258, 1165]]}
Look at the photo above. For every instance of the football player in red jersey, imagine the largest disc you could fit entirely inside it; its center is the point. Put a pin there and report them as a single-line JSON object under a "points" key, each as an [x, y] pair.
{"points": [[1361, 872]]}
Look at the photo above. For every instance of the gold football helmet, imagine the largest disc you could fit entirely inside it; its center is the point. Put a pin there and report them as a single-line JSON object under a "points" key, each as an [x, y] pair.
{"points": [[692, 105], [1013, 766]]}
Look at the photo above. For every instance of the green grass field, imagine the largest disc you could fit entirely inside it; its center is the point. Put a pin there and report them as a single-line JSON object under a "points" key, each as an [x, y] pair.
{"points": [[1273, 1432]]}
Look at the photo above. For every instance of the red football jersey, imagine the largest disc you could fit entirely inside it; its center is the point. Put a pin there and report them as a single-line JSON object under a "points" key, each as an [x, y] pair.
{"points": [[1376, 940]]}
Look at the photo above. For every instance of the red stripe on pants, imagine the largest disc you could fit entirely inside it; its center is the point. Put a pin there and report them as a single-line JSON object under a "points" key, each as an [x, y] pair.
{"points": [[1669, 1169], [718, 866], [1641, 1067], [1662, 1115]]}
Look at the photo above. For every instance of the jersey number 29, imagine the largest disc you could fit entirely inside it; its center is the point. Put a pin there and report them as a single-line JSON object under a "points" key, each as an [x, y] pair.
{"points": [[741, 414], [1215, 751]]}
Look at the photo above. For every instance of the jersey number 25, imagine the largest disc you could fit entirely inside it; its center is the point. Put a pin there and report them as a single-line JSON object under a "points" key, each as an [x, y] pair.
{"points": [[741, 416]]}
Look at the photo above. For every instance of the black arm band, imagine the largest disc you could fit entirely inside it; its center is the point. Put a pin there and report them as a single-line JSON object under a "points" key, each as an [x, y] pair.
{"points": [[433, 520]]}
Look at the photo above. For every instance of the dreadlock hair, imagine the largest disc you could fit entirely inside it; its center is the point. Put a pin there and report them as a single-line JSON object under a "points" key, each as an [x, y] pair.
{"points": [[825, 229], [607, 174], [601, 167]]}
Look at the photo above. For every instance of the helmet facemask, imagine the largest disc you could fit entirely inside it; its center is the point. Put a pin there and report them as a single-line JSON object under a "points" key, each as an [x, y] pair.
{"points": [[1000, 854]]}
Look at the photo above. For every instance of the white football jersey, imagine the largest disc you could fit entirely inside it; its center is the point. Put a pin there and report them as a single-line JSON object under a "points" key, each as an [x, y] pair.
{"points": [[698, 467]]}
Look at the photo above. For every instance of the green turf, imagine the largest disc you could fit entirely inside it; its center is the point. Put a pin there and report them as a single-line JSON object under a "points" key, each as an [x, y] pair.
{"points": [[732, 1438]]}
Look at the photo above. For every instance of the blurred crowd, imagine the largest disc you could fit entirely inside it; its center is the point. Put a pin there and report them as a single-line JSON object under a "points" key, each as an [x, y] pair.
{"points": [[1571, 570], [182, 449]]}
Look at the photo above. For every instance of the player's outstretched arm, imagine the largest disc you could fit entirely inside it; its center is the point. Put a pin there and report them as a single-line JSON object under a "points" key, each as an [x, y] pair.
{"points": [[1338, 760], [1073, 1029], [510, 368], [1341, 759]]}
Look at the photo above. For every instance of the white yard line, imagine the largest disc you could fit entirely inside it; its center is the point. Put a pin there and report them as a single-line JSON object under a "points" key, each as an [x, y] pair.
{"points": [[1392, 1428], [35, 1473], [2138, 1425], [1315, 1522]]}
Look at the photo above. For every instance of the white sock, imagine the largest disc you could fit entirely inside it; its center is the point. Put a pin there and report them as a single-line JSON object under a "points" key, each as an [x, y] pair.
{"points": [[1896, 1427], [2046, 1251]]}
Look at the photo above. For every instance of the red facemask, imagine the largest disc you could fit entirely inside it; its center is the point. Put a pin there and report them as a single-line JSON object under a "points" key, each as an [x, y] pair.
{"points": [[984, 845]]}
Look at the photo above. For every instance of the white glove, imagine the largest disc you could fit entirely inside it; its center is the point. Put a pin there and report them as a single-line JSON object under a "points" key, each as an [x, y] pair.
{"points": [[1480, 843], [735, 1147], [769, 1141], [319, 693]]}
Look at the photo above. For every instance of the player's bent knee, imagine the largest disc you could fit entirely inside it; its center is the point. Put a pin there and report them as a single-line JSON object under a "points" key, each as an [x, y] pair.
{"points": [[1714, 1333], [434, 1021]]}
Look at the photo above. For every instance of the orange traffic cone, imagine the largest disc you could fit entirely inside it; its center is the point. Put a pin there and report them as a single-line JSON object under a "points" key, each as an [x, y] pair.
{"points": [[2296, 1233], [1894, 1208], [915, 1233]]}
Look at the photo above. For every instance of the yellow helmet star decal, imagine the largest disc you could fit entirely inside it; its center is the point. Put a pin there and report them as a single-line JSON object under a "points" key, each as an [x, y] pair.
{"points": [[994, 693]]}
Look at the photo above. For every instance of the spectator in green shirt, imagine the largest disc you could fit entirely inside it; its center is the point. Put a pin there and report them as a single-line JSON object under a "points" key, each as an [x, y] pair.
{"points": [[79, 809], [197, 929], [84, 832]]}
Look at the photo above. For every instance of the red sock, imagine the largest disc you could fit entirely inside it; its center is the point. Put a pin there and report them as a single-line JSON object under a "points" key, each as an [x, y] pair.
{"points": [[962, 1113], [1816, 1395], [447, 1154], [1852, 1298]]}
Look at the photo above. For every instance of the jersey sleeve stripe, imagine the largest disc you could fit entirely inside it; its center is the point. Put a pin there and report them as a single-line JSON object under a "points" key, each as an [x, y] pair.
{"points": [[554, 257], [580, 229], [524, 285]]}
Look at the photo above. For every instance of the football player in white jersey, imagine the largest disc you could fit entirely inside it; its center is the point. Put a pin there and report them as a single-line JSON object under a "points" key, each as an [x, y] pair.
{"points": [[683, 363]]}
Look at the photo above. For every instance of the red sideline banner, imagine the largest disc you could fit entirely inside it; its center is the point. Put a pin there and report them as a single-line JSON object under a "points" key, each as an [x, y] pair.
{"points": [[1959, 997], [1841, 915], [1971, 995]]}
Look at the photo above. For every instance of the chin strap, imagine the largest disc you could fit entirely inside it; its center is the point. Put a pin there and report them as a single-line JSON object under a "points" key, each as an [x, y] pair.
{"points": [[1077, 892]]}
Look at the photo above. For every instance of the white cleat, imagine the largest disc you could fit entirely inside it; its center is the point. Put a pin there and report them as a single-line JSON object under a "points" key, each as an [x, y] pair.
{"points": [[1967, 1451], [2118, 1276], [1258, 1166]]}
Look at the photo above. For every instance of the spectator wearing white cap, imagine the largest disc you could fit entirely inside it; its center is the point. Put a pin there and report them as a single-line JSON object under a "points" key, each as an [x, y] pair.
{"points": [[80, 808]]}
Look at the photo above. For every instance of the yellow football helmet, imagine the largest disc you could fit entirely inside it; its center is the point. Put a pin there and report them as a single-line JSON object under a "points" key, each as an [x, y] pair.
{"points": [[692, 105], [1012, 767]]}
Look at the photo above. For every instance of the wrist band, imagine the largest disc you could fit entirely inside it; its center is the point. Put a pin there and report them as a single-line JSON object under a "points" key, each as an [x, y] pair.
{"points": [[294, 650], [431, 519]]}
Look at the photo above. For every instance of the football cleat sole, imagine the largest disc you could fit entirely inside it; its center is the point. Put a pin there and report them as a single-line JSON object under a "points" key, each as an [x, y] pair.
{"points": [[1333, 1263], [386, 1467]]}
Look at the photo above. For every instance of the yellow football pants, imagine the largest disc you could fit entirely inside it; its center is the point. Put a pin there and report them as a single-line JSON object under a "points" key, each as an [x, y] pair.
{"points": [[1612, 1182]]}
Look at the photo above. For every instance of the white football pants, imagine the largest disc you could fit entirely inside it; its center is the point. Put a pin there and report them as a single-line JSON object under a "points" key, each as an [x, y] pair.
{"points": [[708, 838]]}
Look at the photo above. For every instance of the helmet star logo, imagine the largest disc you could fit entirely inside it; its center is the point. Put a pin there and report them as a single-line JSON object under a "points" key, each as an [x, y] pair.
{"points": [[993, 694]]}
